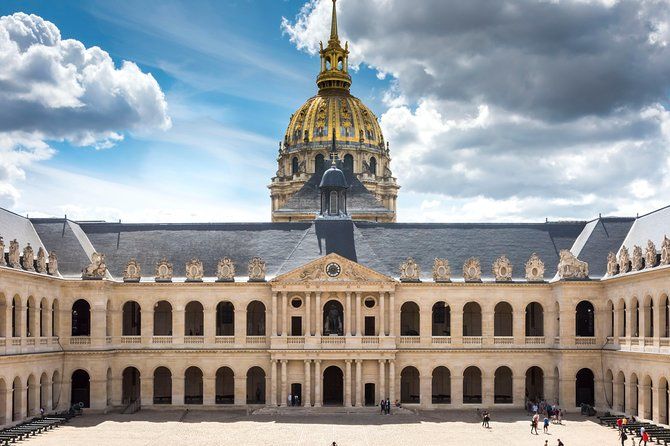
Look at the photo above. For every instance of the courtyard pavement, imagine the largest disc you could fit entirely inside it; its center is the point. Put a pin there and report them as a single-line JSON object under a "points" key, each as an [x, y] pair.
{"points": [[236, 428]]}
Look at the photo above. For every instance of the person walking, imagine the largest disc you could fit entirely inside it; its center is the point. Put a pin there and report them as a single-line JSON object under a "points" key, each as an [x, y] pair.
{"points": [[560, 443], [487, 419], [388, 406], [623, 437], [533, 424], [382, 406], [644, 439], [545, 428], [642, 429], [289, 400]]}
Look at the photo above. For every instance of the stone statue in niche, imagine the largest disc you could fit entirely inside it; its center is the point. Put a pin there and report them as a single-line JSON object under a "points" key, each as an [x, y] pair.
{"points": [[502, 269], [650, 255], [636, 261], [96, 269], [28, 258], [53, 263], [332, 324], [570, 267], [225, 270], [41, 261], [2, 252], [534, 269], [624, 260], [409, 271], [14, 254], [612, 264], [441, 270]]}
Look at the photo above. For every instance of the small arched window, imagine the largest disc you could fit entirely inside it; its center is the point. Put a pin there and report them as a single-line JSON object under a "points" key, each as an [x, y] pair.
{"points": [[373, 166], [319, 163], [294, 165], [348, 163], [333, 203]]}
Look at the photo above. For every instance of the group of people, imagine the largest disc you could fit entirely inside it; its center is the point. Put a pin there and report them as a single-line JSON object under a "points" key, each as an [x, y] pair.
{"points": [[485, 415], [622, 423], [293, 400], [551, 412], [536, 420], [385, 406]]}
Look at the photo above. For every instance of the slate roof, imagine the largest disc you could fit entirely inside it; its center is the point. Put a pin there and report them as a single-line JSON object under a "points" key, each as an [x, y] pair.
{"points": [[14, 226], [72, 248], [606, 235], [653, 226], [359, 198]]}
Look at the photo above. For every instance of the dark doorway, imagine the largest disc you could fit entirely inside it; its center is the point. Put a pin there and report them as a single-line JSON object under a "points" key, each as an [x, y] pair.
{"points": [[225, 319], [369, 325], [255, 386], [409, 386], [296, 390], [348, 163], [296, 326], [333, 386], [369, 394], [81, 318], [81, 388], [130, 386], [584, 320], [584, 388], [318, 164]]}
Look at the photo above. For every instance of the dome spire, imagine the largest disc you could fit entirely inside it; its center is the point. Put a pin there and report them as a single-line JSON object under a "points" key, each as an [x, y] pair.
{"points": [[334, 75], [333, 25]]}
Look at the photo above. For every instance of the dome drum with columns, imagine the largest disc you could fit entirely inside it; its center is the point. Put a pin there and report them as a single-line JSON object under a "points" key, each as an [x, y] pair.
{"points": [[333, 114]]}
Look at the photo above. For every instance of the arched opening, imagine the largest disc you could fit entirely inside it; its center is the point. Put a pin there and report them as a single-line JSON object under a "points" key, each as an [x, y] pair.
{"points": [[294, 166], [31, 396], [162, 386], [534, 319], [30, 317], [333, 318], [621, 308], [44, 391], [81, 318], [441, 319], [108, 386], [255, 386], [441, 387], [3, 401], [333, 386], [609, 389], [610, 310], [225, 386], [584, 319], [55, 320], [17, 400], [162, 318], [193, 386], [472, 385], [665, 316], [648, 317], [635, 308], [81, 388], [319, 164], [409, 319], [502, 386], [620, 402], [647, 398], [557, 316], [585, 388], [373, 165], [130, 386], [55, 390], [472, 319], [225, 319], [664, 406], [348, 164], [44, 317], [535, 384], [131, 319], [634, 393], [255, 319], [193, 319], [503, 320], [410, 388], [332, 203], [557, 387], [108, 318], [16, 317], [3, 323]]}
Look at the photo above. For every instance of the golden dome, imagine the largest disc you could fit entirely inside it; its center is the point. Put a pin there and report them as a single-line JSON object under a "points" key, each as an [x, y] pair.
{"points": [[312, 125]]}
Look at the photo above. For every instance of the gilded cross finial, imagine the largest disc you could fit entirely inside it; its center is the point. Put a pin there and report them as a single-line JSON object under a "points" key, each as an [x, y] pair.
{"points": [[333, 24]]}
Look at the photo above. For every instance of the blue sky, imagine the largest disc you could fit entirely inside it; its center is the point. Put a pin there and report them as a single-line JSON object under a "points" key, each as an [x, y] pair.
{"points": [[515, 110]]}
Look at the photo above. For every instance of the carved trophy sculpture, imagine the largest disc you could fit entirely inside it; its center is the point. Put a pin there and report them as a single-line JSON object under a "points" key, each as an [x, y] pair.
{"points": [[570, 267], [332, 324], [665, 251], [650, 255], [472, 270], [409, 271], [53, 263], [256, 270], [2, 252], [132, 272], [225, 270], [41, 264], [163, 271], [612, 264], [441, 270], [535, 269], [28, 258], [502, 269], [316, 272], [96, 269], [624, 260], [14, 254], [636, 261], [194, 270]]}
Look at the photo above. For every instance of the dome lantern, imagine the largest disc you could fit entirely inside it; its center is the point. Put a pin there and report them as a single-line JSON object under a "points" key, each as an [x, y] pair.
{"points": [[334, 73]]}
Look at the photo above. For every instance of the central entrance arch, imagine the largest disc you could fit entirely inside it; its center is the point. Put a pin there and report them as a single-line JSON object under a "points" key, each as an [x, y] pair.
{"points": [[333, 386]]}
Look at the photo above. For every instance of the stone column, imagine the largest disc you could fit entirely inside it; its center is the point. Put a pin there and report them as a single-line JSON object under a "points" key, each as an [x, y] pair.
{"points": [[642, 332], [630, 314], [46, 329], [8, 400], [117, 390], [178, 329], [616, 329], [308, 314], [382, 316], [457, 389], [7, 323], [318, 397], [146, 390], [240, 328], [273, 330], [284, 310], [98, 393], [519, 327], [98, 322], [644, 400], [209, 390], [656, 333], [284, 383], [273, 381], [656, 404], [382, 384], [307, 388], [425, 390], [318, 315], [359, 378], [178, 389], [487, 327], [519, 390], [347, 314], [566, 390], [392, 388], [209, 324], [240, 390], [359, 321], [347, 380], [147, 325]]}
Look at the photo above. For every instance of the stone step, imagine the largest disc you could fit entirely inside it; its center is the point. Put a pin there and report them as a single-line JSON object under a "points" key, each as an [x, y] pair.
{"points": [[328, 410]]}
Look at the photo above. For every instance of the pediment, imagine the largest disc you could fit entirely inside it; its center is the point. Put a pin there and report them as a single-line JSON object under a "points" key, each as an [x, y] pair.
{"points": [[332, 268]]}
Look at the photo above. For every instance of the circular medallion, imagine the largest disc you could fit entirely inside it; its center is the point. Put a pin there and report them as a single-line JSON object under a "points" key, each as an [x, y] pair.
{"points": [[333, 269]]}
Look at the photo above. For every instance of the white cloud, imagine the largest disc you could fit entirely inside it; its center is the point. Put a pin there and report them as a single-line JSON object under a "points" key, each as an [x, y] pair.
{"points": [[58, 90]]}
